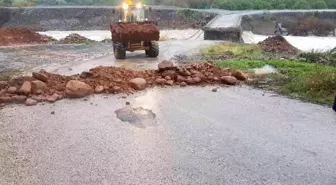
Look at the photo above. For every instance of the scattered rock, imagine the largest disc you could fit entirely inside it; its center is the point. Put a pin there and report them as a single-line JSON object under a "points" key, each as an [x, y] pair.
{"points": [[38, 98], [86, 74], [5, 99], [197, 79], [86, 99], [180, 78], [3, 84], [239, 75], [190, 80], [216, 78], [19, 99], [170, 82], [38, 87], [171, 73], [123, 97], [164, 65], [2, 105], [183, 84], [40, 76], [52, 98], [168, 78], [128, 103], [229, 80], [77, 89], [160, 81], [215, 89], [25, 88], [138, 83], [31, 102], [116, 89], [12, 90], [99, 89], [52, 112]]}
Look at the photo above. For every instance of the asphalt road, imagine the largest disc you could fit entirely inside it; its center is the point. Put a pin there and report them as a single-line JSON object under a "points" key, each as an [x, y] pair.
{"points": [[235, 136]]}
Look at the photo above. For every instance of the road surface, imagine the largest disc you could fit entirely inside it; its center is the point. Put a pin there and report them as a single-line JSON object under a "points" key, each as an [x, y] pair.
{"points": [[235, 136]]}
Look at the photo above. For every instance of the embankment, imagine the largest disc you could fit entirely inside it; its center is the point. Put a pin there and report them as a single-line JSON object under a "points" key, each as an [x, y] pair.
{"points": [[93, 18]]}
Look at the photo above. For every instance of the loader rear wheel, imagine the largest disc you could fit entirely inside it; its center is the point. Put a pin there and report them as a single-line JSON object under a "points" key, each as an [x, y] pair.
{"points": [[119, 52], [153, 51]]}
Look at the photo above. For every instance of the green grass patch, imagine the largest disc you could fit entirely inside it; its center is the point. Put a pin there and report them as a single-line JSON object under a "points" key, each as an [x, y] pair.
{"points": [[307, 81], [246, 50]]}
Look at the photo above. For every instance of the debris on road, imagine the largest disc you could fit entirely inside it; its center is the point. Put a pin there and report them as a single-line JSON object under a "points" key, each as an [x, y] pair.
{"points": [[12, 36], [105, 79], [278, 44], [74, 39]]}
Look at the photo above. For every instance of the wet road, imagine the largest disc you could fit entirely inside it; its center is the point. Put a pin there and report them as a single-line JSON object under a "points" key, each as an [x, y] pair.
{"points": [[137, 59], [235, 136]]}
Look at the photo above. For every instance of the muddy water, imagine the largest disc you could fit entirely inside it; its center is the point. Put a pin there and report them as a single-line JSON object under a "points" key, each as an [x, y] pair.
{"points": [[305, 44], [99, 35], [138, 117]]}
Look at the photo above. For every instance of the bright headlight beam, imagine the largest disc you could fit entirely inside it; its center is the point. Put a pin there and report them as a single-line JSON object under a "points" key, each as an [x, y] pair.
{"points": [[138, 5], [125, 6]]}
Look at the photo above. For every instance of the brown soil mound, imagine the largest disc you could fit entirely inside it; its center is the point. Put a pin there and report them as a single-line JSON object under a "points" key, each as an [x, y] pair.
{"points": [[279, 45], [12, 36], [115, 80], [74, 39], [134, 32]]}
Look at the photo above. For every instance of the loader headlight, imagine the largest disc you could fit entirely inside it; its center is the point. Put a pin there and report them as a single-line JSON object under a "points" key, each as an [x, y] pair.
{"points": [[125, 6], [138, 5]]}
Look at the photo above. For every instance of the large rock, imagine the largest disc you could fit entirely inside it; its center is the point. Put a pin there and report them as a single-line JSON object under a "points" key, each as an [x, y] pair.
{"points": [[239, 75], [138, 83], [25, 88], [164, 65], [31, 102], [229, 80], [40, 76], [38, 86], [77, 89]]}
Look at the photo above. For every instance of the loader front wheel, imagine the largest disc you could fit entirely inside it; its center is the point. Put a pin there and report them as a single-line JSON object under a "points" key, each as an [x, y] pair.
{"points": [[153, 51], [119, 52]]}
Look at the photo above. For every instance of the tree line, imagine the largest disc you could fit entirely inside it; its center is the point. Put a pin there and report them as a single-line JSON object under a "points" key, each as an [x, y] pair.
{"points": [[200, 4]]}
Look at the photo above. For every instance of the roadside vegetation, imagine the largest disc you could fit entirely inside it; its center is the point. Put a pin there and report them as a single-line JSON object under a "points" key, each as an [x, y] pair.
{"points": [[222, 4], [308, 81]]}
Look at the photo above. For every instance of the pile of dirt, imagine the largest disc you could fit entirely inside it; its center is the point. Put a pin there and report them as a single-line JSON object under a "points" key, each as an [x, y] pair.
{"points": [[134, 32], [74, 39], [278, 45], [12, 36], [44, 86]]}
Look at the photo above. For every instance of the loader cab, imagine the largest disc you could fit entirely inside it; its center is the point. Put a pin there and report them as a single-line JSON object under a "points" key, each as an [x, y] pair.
{"points": [[132, 13]]}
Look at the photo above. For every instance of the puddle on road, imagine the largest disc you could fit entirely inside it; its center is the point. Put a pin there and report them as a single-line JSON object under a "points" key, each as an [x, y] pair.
{"points": [[138, 117]]}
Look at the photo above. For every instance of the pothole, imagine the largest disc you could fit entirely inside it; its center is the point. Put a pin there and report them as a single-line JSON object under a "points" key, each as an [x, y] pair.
{"points": [[138, 117]]}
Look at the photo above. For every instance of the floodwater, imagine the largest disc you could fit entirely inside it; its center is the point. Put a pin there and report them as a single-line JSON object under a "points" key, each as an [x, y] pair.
{"points": [[99, 35], [305, 44]]}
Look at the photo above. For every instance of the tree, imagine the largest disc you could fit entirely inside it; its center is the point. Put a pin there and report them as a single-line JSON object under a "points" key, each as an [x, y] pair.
{"points": [[302, 4], [7, 2], [320, 4]]}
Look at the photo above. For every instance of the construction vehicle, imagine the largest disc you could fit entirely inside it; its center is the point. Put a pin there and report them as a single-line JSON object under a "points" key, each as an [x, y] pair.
{"points": [[131, 15]]}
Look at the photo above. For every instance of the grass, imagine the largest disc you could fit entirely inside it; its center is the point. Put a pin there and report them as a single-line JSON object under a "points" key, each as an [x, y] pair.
{"points": [[306, 81], [241, 50]]}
